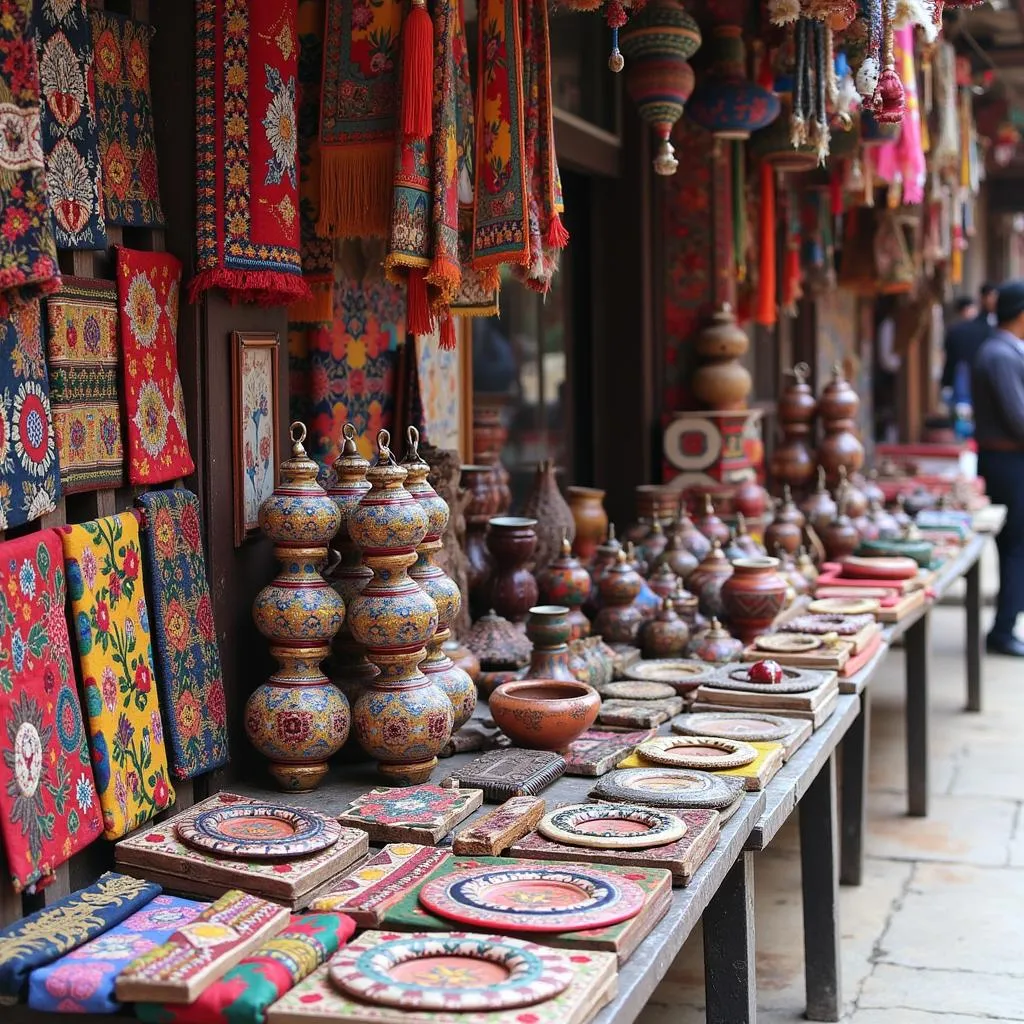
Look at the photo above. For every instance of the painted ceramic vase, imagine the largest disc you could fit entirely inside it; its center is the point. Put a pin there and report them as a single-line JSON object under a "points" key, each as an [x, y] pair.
{"points": [[693, 540], [707, 579], [753, 596], [544, 714], [484, 501], [715, 645], [665, 636], [403, 719], [549, 630], [437, 666], [349, 667], [677, 556], [587, 507], [711, 525], [840, 537], [619, 620], [298, 718], [663, 581], [553, 516], [786, 530], [489, 437], [653, 545], [686, 607], [604, 559], [750, 499], [566, 582], [512, 541]]}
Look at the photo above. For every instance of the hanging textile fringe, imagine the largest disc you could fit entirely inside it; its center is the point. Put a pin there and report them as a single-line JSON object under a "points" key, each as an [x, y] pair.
{"points": [[766, 277]]}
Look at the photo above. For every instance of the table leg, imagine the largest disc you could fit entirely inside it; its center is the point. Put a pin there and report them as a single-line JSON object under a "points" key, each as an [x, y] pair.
{"points": [[918, 657], [853, 820], [730, 980], [972, 606], [819, 876]]}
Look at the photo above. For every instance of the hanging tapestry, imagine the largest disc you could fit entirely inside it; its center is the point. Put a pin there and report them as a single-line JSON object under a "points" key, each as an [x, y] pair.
{"points": [[83, 980], [188, 662], [82, 353], [124, 110], [48, 804], [63, 39], [247, 187], [245, 992], [126, 735], [317, 253], [29, 473], [147, 292], [49, 933], [28, 254], [359, 117], [352, 364]]}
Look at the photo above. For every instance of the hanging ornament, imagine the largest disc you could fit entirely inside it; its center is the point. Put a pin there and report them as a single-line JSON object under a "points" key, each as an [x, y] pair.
{"points": [[889, 100], [615, 16], [774, 145], [820, 134], [870, 68]]}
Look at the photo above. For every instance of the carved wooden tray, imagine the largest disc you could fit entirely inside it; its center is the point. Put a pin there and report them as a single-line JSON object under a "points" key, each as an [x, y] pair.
{"points": [[709, 753], [748, 728], [788, 643], [611, 826], [669, 787]]}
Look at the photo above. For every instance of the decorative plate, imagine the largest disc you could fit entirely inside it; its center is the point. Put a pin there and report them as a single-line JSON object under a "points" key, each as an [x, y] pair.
{"points": [[669, 787], [745, 726], [258, 831], [680, 673], [844, 606], [817, 625], [794, 681], [884, 567], [632, 689], [541, 899], [712, 753], [788, 643], [451, 971], [611, 826]]}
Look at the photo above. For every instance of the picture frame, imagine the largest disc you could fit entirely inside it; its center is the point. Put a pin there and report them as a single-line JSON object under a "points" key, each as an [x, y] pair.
{"points": [[255, 430]]}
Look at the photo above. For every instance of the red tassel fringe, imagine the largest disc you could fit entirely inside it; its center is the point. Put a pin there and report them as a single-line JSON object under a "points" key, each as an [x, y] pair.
{"points": [[417, 72], [264, 287], [448, 338], [557, 236], [418, 318]]}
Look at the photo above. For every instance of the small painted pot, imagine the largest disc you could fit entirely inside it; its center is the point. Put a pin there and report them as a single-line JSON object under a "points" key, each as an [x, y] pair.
{"points": [[715, 645], [549, 630], [707, 579], [665, 636], [566, 582], [544, 714], [753, 596]]}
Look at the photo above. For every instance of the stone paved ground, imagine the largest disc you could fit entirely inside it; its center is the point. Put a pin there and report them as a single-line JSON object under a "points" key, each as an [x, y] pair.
{"points": [[936, 932]]}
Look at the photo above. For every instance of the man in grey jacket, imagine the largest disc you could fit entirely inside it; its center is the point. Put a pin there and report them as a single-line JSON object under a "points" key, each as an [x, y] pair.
{"points": [[998, 388]]}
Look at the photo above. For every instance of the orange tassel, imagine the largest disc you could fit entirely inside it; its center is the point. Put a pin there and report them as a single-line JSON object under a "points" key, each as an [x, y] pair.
{"points": [[417, 314], [417, 72], [448, 338], [766, 283], [557, 235], [791, 278]]}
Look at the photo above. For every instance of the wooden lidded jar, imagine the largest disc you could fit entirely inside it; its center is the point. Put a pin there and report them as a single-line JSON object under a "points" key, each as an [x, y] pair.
{"points": [[792, 461], [838, 405], [722, 383]]}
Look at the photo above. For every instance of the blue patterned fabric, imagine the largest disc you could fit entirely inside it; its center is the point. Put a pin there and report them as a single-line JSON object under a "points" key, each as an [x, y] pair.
{"points": [[83, 981], [49, 933]]}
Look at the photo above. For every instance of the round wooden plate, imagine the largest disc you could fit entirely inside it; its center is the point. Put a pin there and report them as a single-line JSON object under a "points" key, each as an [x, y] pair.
{"points": [[710, 753], [845, 606], [541, 899], [681, 674], [451, 971], [678, 788], [793, 681], [259, 831], [611, 826], [885, 567], [747, 727], [633, 689], [788, 643]]}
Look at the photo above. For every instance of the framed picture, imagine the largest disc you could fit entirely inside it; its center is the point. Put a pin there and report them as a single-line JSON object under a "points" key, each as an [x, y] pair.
{"points": [[255, 428]]}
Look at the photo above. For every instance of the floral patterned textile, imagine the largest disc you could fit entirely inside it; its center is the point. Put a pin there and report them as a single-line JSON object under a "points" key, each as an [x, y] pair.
{"points": [[439, 372], [126, 735], [63, 39], [247, 199], [131, 189], [83, 980], [65, 924], [48, 804], [244, 993], [82, 352], [28, 250], [29, 474], [147, 291], [189, 675]]}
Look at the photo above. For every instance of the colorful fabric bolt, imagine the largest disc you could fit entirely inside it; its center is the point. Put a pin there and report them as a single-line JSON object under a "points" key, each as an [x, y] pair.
{"points": [[70, 132], [82, 352], [29, 473], [64, 925], [48, 804], [126, 736], [83, 980], [124, 109], [28, 254], [247, 199], [147, 291], [188, 662], [317, 253], [243, 995], [359, 117]]}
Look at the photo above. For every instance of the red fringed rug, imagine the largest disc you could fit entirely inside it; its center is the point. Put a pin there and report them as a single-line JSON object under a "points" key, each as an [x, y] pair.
{"points": [[247, 199]]}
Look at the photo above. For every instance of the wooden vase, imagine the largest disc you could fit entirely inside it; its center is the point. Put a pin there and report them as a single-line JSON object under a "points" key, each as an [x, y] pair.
{"points": [[587, 507], [512, 541], [793, 461], [721, 383], [619, 619], [482, 506], [840, 446]]}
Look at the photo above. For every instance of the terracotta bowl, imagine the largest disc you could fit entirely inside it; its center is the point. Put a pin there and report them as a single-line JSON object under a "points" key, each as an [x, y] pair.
{"points": [[544, 714]]}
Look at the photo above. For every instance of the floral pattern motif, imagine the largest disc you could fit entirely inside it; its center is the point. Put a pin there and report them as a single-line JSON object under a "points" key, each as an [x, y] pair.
{"points": [[28, 250], [257, 423], [104, 568], [48, 804], [131, 189], [189, 677], [147, 289], [29, 475], [63, 40]]}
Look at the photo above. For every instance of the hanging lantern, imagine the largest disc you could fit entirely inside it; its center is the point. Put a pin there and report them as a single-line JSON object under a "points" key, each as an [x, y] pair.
{"points": [[774, 144], [726, 102], [657, 44]]}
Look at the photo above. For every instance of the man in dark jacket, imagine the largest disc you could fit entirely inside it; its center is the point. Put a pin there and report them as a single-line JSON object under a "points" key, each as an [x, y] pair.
{"points": [[964, 339], [999, 430]]}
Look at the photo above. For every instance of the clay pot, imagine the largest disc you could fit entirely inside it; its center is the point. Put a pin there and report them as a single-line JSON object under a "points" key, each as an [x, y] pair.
{"points": [[666, 635], [856, 502], [837, 407], [711, 526], [676, 554], [489, 437], [554, 518], [721, 383], [787, 528], [750, 499], [482, 506], [685, 605], [693, 540], [549, 630], [586, 505], [753, 596], [715, 644], [707, 579], [663, 581], [840, 538], [512, 541], [656, 503], [619, 619], [544, 714], [653, 544], [566, 582], [497, 644], [792, 461], [819, 508]]}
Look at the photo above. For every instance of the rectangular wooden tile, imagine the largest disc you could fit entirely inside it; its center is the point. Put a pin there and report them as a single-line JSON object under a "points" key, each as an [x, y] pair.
{"points": [[598, 751], [411, 814], [503, 774], [495, 832]]}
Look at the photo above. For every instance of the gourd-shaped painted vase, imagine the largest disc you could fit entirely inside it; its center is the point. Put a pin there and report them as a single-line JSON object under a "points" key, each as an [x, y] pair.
{"points": [[437, 666], [566, 582], [403, 719], [298, 718], [549, 631], [619, 619], [350, 669]]}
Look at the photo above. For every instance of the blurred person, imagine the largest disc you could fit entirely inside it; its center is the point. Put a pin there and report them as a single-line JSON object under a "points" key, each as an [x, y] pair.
{"points": [[963, 340]]}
